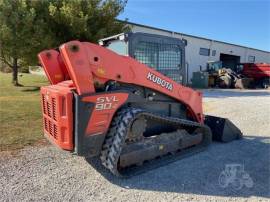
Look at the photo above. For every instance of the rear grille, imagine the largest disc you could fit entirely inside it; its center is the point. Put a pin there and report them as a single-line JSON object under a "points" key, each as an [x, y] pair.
{"points": [[55, 131], [46, 124], [57, 117], [50, 128], [54, 109], [44, 104], [49, 109]]}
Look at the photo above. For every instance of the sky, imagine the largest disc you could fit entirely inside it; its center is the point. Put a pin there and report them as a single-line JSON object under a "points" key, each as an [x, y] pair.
{"points": [[242, 22]]}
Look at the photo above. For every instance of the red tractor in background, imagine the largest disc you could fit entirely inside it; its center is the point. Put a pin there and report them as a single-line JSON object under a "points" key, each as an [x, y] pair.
{"points": [[259, 72]]}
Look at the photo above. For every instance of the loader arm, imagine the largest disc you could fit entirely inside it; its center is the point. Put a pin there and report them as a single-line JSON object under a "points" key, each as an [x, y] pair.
{"points": [[54, 66], [89, 64]]}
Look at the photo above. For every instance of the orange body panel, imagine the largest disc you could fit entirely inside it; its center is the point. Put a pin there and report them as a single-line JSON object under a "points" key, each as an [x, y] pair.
{"points": [[57, 112], [87, 63], [105, 107]]}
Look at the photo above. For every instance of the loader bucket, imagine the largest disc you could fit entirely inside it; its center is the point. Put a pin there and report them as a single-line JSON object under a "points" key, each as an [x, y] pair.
{"points": [[243, 83], [223, 130]]}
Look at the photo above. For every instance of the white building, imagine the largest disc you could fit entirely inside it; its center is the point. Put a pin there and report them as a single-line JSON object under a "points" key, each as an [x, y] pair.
{"points": [[199, 50]]}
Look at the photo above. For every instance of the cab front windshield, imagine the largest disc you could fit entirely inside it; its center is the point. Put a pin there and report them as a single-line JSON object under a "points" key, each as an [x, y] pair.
{"points": [[214, 66], [165, 58]]}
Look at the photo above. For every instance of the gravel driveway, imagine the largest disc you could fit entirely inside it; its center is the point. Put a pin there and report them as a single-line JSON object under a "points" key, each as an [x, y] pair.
{"points": [[45, 173]]}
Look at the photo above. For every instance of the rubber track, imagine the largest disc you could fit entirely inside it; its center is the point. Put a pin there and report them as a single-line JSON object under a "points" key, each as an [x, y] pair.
{"points": [[116, 136]]}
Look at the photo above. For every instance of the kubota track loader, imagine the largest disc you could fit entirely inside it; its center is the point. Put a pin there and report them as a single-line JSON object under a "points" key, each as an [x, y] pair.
{"points": [[102, 104]]}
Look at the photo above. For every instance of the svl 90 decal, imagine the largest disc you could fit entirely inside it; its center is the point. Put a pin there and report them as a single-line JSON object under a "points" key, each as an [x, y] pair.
{"points": [[108, 102]]}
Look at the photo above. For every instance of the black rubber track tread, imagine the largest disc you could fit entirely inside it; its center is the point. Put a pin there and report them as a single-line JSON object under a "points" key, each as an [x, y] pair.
{"points": [[116, 136]]}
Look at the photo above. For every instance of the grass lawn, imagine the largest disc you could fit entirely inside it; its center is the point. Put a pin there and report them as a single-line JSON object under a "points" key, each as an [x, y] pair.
{"points": [[20, 114]]}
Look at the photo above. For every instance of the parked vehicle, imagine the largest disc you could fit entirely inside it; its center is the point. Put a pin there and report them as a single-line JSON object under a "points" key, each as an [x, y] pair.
{"points": [[103, 104], [260, 72]]}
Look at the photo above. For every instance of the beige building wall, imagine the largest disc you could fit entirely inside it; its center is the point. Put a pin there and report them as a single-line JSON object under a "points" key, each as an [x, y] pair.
{"points": [[195, 60]]}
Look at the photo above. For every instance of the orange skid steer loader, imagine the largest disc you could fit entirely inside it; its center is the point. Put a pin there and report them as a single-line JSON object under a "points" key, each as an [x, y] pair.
{"points": [[102, 104]]}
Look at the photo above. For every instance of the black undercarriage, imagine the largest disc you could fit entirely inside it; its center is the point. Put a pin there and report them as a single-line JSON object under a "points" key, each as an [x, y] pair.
{"points": [[148, 131], [124, 157]]}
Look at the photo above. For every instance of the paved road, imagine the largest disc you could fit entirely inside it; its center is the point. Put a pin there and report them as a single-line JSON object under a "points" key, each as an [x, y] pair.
{"points": [[45, 173]]}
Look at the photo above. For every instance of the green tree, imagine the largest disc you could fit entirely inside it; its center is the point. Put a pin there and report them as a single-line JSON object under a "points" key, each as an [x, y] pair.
{"points": [[29, 26]]}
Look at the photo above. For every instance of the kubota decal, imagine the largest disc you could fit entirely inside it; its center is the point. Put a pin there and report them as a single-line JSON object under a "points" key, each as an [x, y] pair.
{"points": [[163, 83], [107, 102]]}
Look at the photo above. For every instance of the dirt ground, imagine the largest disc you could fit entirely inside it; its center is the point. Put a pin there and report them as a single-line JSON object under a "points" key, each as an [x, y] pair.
{"points": [[45, 173]]}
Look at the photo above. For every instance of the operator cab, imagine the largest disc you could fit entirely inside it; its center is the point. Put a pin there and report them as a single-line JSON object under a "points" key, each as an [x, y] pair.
{"points": [[214, 66], [164, 54]]}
